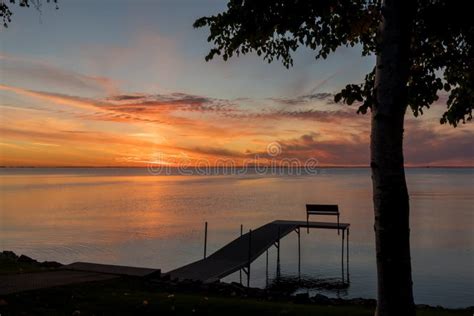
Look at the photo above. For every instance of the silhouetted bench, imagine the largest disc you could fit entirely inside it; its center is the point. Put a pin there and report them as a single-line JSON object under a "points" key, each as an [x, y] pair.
{"points": [[322, 209]]}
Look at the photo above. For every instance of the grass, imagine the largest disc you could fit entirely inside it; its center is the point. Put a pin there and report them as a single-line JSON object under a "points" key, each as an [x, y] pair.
{"points": [[10, 263], [12, 267], [136, 297]]}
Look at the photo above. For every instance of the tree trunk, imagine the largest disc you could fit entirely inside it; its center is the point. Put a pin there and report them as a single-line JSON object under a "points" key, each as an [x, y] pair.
{"points": [[390, 194]]}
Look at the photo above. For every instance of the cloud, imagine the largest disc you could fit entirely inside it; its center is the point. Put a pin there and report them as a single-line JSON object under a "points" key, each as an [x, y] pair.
{"points": [[77, 102], [345, 151], [18, 70], [217, 151], [96, 109], [424, 145], [54, 136], [184, 122], [304, 99], [125, 97], [166, 108], [438, 145], [312, 115], [152, 103]]}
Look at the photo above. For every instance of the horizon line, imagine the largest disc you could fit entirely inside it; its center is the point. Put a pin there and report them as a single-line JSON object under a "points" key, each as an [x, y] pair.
{"points": [[195, 166]]}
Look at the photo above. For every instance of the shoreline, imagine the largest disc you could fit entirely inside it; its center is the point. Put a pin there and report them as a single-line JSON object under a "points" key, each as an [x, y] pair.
{"points": [[13, 264], [239, 167]]}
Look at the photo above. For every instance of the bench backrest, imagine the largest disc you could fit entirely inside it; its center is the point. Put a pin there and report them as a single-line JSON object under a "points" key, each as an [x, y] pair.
{"points": [[322, 209]]}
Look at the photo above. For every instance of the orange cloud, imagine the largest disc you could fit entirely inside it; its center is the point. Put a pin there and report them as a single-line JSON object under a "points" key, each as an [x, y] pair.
{"points": [[136, 129]]}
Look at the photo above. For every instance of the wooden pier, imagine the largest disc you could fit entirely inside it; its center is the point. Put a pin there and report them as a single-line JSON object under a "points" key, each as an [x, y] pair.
{"points": [[241, 252]]}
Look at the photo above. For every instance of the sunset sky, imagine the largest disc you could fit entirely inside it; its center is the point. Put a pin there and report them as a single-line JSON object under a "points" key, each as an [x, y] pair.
{"points": [[124, 83]]}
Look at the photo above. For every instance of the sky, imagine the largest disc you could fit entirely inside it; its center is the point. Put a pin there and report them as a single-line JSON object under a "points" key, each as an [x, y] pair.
{"points": [[124, 83]]}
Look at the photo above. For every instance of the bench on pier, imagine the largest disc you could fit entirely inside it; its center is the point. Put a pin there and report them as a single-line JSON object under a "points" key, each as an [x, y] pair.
{"points": [[322, 209]]}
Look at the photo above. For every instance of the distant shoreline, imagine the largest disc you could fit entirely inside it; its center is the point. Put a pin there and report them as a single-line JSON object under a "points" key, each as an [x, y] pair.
{"points": [[238, 167]]}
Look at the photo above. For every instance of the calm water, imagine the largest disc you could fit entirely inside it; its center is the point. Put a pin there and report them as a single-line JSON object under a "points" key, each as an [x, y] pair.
{"points": [[125, 216]]}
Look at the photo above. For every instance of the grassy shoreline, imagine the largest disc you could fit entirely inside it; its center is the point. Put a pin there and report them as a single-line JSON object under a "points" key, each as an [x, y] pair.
{"points": [[133, 296], [140, 296]]}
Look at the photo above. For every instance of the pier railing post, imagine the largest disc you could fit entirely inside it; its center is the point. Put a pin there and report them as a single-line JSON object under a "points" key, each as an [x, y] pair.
{"points": [[307, 222], [249, 258], [205, 239], [240, 271], [278, 253], [338, 223]]}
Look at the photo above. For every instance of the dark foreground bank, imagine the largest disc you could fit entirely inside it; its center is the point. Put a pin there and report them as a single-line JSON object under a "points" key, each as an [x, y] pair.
{"points": [[142, 296]]}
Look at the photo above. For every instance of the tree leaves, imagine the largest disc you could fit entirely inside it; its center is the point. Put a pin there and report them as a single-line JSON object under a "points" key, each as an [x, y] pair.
{"points": [[6, 13], [275, 29], [442, 44]]}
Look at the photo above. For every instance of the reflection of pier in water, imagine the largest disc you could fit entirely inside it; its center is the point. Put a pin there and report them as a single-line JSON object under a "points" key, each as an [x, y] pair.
{"points": [[241, 252], [293, 283]]}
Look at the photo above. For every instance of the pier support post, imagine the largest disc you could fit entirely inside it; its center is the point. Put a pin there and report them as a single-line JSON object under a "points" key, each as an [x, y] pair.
{"points": [[266, 270], [347, 256], [297, 230], [205, 239], [342, 254]]}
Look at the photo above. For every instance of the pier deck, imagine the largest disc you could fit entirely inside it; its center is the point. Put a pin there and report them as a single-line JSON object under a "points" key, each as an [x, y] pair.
{"points": [[235, 255]]}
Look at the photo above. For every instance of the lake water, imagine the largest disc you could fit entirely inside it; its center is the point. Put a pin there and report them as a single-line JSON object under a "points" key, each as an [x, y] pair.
{"points": [[129, 217]]}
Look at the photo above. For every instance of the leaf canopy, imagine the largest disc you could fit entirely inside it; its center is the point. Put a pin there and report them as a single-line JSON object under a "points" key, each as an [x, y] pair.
{"points": [[442, 52]]}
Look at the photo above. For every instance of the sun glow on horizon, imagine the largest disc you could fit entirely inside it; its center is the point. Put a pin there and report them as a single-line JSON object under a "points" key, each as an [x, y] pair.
{"points": [[54, 129]]}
